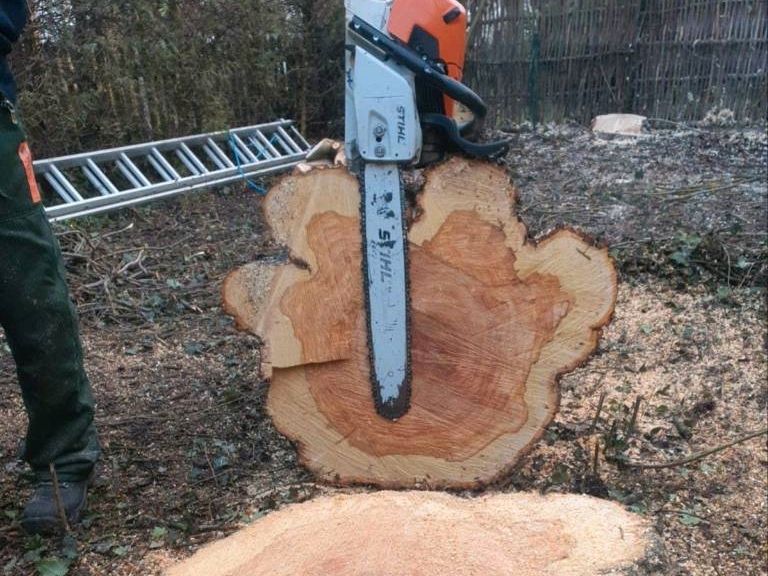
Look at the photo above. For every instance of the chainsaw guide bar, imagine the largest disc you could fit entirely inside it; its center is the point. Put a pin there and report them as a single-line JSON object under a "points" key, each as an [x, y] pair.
{"points": [[387, 295]]}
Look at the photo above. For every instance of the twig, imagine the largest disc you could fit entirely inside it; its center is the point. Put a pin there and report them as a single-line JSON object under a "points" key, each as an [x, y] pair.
{"points": [[682, 511], [277, 489], [172, 245], [631, 424], [728, 258], [597, 412], [693, 457], [136, 261], [165, 413], [59, 501], [116, 232], [672, 123], [641, 241], [214, 476], [474, 26], [595, 457], [682, 428], [688, 192]]}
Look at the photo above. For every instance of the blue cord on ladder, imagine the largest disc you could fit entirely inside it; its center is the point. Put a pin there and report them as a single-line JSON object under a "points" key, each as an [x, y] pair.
{"points": [[255, 186]]}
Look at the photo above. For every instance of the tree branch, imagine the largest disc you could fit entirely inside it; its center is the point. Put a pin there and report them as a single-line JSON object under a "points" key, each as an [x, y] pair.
{"points": [[693, 457]]}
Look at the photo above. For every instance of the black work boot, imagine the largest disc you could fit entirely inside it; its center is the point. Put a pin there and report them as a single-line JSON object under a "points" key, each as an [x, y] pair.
{"points": [[42, 515]]}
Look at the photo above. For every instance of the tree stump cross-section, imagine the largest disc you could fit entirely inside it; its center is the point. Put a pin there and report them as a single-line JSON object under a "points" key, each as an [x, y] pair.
{"points": [[431, 533], [495, 320]]}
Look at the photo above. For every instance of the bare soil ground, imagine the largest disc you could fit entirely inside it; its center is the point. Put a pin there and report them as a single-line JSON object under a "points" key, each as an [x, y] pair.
{"points": [[189, 454]]}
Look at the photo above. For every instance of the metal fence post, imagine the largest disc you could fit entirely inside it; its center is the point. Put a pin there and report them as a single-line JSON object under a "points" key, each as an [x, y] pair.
{"points": [[533, 75]]}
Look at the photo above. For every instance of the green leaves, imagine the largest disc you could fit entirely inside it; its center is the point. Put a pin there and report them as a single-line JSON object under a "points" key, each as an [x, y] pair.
{"points": [[724, 293], [157, 537], [52, 567], [688, 519], [46, 562], [560, 475], [194, 348], [687, 244]]}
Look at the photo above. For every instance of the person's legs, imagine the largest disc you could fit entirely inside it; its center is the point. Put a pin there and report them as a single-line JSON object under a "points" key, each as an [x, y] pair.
{"points": [[40, 324]]}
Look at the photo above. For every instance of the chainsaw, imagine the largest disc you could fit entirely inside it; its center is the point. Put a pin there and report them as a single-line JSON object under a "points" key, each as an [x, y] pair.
{"points": [[404, 63]]}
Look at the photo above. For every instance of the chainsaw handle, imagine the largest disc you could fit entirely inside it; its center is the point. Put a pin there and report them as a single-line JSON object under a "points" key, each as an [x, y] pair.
{"points": [[409, 58], [449, 127]]}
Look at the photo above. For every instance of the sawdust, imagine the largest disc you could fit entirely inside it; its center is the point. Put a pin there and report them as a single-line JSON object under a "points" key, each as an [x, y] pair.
{"points": [[189, 450], [697, 197], [699, 366]]}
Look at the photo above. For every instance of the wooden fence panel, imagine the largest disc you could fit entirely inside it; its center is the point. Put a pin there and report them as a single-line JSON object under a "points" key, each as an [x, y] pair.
{"points": [[671, 59]]}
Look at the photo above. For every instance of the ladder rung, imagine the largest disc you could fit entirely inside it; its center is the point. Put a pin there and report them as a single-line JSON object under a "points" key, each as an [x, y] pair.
{"points": [[187, 162], [165, 176], [99, 174], [287, 145], [239, 144], [138, 175], [194, 159], [277, 140], [93, 179], [58, 188], [301, 138], [65, 183], [217, 152], [295, 147], [125, 171], [263, 152], [214, 157], [267, 143], [165, 164]]}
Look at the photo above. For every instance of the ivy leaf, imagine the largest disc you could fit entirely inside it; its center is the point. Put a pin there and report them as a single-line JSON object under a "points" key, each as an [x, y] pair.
{"points": [[689, 520], [120, 550], [157, 538], [194, 348], [52, 567], [691, 241], [639, 508], [616, 494], [560, 475], [681, 258], [723, 292], [741, 263], [69, 547]]}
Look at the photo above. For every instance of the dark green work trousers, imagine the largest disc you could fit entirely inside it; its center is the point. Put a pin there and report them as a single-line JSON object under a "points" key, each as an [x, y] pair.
{"points": [[40, 321]]}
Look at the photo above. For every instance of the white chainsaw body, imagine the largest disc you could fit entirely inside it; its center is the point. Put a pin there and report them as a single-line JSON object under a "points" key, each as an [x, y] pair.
{"points": [[382, 120]]}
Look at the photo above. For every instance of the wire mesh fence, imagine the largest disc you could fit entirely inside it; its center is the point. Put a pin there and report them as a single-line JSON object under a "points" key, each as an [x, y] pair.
{"points": [[671, 59]]}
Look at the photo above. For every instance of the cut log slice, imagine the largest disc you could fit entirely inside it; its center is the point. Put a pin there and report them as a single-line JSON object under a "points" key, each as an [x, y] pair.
{"points": [[433, 534], [495, 319]]}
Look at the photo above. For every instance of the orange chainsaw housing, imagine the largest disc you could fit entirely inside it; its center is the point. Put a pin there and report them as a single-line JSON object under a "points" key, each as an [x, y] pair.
{"points": [[445, 21]]}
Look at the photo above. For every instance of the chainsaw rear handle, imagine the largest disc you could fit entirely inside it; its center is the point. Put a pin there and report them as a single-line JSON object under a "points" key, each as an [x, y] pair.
{"points": [[409, 58], [451, 130]]}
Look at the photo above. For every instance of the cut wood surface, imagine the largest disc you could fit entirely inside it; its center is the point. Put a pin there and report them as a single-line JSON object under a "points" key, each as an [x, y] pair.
{"points": [[495, 320], [435, 534]]}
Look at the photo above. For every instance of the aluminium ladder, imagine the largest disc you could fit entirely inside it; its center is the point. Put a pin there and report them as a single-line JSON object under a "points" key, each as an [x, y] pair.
{"points": [[97, 182]]}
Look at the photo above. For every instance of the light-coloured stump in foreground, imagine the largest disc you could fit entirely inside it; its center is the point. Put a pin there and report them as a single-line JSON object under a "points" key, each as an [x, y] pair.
{"points": [[495, 320], [434, 534]]}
